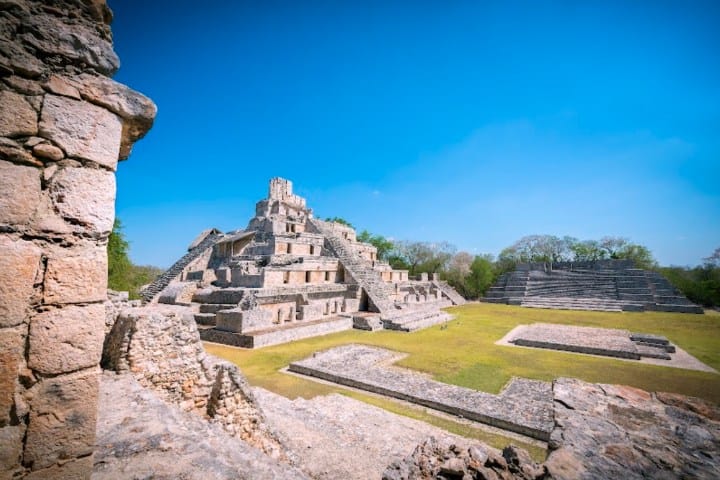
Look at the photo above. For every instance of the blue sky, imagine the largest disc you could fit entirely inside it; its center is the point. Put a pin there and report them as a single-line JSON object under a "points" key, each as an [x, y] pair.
{"points": [[470, 122]]}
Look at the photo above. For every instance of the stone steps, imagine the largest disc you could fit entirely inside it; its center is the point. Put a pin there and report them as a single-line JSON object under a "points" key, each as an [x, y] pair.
{"points": [[416, 320], [216, 307], [206, 319], [281, 334], [361, 271], [170, 274]]}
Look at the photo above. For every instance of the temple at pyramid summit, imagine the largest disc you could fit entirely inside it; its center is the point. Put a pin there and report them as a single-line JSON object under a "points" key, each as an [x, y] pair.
{"points": [[288, 276]]}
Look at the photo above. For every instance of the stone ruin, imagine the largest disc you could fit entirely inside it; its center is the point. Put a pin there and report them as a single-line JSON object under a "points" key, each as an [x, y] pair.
{"points": [[603, 285], [289, 275], [64, 124]]}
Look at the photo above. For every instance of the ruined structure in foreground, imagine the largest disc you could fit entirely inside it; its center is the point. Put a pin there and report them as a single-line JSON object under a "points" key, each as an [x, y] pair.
{"points": [[289, 276], [605, 285]]}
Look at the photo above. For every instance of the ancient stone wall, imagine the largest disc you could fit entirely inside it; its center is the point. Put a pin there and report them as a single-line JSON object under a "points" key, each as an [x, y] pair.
{"points": [[160, 345], [63, 127]]}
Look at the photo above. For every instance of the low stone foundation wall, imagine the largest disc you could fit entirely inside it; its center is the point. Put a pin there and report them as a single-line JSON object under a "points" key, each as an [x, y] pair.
{"points": [[524, 406]]}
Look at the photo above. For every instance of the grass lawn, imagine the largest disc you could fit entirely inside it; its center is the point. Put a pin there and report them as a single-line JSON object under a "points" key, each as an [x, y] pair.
{"points": [[464, 354]]}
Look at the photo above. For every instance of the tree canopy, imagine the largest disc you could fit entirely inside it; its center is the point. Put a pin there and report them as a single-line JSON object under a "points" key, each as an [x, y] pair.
{"points": [[123, 275]]}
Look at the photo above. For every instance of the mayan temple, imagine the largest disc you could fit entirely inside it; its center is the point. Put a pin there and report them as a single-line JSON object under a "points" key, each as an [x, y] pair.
{"points": [[288, 275]]}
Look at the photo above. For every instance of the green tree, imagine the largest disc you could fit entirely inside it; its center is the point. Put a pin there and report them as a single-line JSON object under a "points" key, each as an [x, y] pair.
{"points": [[119, 264], [639, 254], [482, 276], [123, 275], [339, 220], [383, 245]]}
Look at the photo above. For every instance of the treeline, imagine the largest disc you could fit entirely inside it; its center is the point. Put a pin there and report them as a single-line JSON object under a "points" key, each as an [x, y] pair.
{"points": [[471, 275], [123, 275], [700, 284]]}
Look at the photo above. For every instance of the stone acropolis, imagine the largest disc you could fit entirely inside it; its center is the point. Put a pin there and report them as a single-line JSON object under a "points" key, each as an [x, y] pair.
{"points": [[288, 275]]}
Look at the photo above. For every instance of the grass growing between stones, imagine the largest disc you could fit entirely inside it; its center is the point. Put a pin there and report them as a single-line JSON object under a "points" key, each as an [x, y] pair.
{"points": [[465, 354]]}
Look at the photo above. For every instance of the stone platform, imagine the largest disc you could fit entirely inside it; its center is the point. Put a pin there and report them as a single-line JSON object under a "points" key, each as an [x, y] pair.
{"points": [[524, 406], [606, 342], [275, 336]]}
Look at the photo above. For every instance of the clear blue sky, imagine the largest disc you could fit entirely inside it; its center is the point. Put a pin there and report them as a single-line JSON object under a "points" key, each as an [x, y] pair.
{"points": [[470, 122]]}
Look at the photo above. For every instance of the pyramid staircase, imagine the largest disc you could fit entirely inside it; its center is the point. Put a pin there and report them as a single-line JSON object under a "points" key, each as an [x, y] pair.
{"points": [[449, 292], [602, 289], [149, 293], [368, 279], [379, 294]]}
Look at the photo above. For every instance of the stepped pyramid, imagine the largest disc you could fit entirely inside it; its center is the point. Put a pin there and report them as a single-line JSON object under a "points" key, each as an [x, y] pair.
{"points": [[288, 275], [604, 285]]}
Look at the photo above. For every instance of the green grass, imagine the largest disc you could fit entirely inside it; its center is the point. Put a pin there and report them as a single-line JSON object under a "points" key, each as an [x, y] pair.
{"points": [[464, 354]]}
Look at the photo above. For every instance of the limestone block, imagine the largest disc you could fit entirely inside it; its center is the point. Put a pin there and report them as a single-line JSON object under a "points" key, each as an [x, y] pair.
{"points": [[46, 218], [19, 192], [61, 86], [12, 343], [51, 152], [85, 196], [79, 469], [63, 413], [76, 275], [10, 449], [17, 116], [19, 263], [237, 320], [13, 152], [66, 339], [76, 42], [24, 85], [137, 111], [83, 130]]}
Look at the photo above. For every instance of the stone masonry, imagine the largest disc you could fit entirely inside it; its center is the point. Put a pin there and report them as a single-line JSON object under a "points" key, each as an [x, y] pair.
{"points": [[64, 124], [603, 285], [288, 275], [524, 406]]}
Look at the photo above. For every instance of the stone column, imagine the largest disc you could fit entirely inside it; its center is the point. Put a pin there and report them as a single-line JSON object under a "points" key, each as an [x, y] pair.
{"points": [[64, 124]]}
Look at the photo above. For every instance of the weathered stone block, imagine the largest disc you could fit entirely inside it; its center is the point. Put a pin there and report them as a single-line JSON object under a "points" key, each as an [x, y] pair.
{"points": [[86, 196], [75, 42], [19, 192], [11, 351], [62, 86], [10, 449], [76, 275], [83, 130], [51, 152], [79, 469], [66, 339], [19, 263], [137, 111], [62, 419], [17, 116]]}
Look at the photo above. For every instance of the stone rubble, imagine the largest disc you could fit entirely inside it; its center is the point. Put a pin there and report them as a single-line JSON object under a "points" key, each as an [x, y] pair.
{"points": [[161, 347], [445, 458], [141, 436]]}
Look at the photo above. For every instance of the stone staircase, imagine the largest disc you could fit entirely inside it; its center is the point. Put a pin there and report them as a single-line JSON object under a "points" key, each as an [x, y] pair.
{"points": [[411, 319], [170, 274], [449, 292], [606, 286], [359, 269]]}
